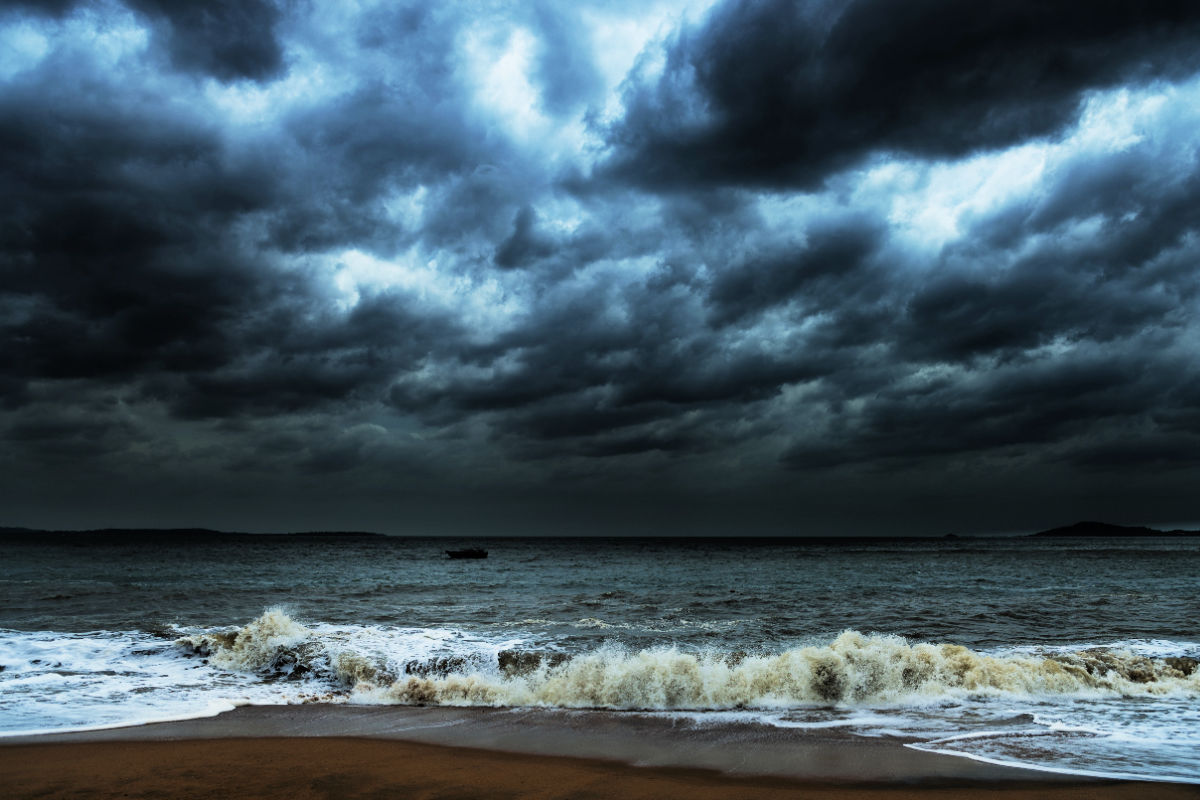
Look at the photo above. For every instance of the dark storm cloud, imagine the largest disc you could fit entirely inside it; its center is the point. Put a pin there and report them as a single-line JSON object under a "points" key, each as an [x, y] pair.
{"points": [[51, 7], [958, 318], [604, 371], [106, 201], [1010, 410], [825, 265], [121, 263], [566, 68], [56, 437], [354, 265], [778, 93], [227, 39], [355, 149], [1071, 350], [141, 249], [1133, 270], [294, 361], [525, 244]]}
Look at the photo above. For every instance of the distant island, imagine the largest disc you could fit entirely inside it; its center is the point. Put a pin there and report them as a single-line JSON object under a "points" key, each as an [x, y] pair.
{"points": [[208, 536], [189, 535], [1098, 529]]}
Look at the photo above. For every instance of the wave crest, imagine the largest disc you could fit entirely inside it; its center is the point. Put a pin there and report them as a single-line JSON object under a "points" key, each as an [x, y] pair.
{"points": [[274, 643], [855, 669]]}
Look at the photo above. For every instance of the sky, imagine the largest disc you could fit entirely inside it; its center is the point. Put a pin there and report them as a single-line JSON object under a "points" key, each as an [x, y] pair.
{"points": [[619, 268]]}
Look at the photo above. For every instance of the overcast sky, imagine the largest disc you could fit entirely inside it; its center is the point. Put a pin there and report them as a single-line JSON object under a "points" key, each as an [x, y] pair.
{"points": [[616, 267]]}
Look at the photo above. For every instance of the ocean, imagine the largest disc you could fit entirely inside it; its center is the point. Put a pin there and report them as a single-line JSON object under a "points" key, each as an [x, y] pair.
{"points": [[1075, 656]]}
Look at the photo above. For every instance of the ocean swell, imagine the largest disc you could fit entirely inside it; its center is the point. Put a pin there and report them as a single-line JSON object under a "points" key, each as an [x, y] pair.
{"points": [[855, 669], [273, 644]]}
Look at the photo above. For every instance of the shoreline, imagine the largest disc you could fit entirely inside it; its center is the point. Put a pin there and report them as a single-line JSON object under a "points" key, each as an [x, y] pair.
{"points": [[730, 746], [360, 751], [349, 768]]}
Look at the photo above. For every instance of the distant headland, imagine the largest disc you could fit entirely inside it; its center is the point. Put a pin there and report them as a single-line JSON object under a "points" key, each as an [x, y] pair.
{"points": [[189, 535], [1086, 529], [1098, 529]]}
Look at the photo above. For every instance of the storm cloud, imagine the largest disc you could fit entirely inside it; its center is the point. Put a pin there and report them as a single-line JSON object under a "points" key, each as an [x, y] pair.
{"points": [[607, 268], [783, 94]]}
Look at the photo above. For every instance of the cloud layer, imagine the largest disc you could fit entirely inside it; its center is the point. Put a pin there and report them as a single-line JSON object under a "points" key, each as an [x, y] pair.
{"points": [[781, 94], [759, 267]]}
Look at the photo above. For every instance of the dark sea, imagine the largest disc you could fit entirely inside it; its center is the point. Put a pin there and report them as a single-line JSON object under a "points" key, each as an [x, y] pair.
{"points": [[1070, 655]]}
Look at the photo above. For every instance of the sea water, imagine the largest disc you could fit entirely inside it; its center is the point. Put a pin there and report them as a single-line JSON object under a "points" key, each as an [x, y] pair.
{"points": [[1069, 655]]}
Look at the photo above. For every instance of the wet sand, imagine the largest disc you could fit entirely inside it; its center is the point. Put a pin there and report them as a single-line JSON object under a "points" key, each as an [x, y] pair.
{"points": [[355, 752], [293, 769]]}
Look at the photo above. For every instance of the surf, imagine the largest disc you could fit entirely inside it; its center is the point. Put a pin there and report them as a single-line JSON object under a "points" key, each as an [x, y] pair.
{"points": [[854, 669]]}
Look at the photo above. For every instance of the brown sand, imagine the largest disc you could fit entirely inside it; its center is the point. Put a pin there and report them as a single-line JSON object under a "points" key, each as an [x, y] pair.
{"points": [[300, 768]]}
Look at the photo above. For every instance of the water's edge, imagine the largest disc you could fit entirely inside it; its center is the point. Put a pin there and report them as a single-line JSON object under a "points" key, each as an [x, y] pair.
{"points": [[628, 737]]}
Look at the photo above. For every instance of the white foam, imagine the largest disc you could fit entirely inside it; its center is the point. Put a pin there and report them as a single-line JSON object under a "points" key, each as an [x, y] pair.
{"points": [[1159, 742], [54, 682], [1061, 769], [213, 708], [1079, 709], [855, 670], [448, 667]]}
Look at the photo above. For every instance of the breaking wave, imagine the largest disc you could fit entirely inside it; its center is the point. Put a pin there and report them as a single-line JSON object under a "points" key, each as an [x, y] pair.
{"points": [[855, 669]]}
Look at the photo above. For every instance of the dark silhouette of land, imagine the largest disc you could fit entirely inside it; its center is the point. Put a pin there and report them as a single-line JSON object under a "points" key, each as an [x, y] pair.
{"points": [[170, 535], [1105, 529], [135, 536]]}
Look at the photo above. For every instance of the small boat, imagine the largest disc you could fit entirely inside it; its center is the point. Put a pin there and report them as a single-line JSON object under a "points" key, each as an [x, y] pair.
{"points": [[470, 552]]}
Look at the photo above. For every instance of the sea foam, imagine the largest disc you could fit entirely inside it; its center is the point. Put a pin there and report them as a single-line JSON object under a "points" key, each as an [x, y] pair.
{"points": [[855, 669]]}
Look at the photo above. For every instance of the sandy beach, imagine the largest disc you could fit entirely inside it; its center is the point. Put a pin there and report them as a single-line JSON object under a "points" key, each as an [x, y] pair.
{"points": [[369, 768], [349, 752]]}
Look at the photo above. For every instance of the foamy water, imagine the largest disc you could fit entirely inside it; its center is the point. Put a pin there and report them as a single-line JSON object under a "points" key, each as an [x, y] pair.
{"points": [[625, 635]]}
